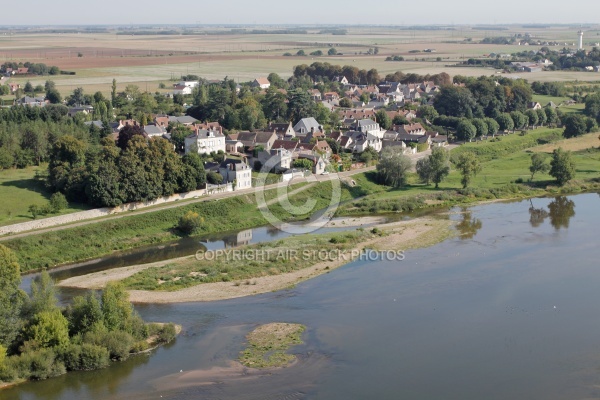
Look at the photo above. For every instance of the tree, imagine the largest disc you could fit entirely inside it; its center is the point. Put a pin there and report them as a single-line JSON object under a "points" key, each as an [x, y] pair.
{"points": [[127, 133], [481, 127], [383, 119], [332, 51], [533, 118], [551, 116], [393, 167], [214, 178], [43, 295], [48, 329], [468, 165], [300, 105], [538, 164], [301, 53], [435, 168], [520, 120], [85, 314], [190, 222], [34, 210], [575, 125], [428, 113], [113, 91], [116, 308], [194, 170], [455, 101], [465, 130], [423, 168], [11, 297], [562, 166], [346, 103], [53, 96], [505, 122], [28, 88], [58, 202], [541, 117], [492, 125]]}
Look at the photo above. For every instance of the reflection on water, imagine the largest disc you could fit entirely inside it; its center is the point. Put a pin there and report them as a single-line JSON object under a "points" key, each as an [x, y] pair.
{"points": [[560, 211], [468, 226], [510, 314]]}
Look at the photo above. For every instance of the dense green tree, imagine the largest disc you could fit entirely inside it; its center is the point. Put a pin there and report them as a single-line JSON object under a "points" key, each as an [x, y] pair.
{"points": [[465, 130], [532, 117], [575, 125], [468, 165], [85, 314], [346, 103], [455, 101], [541, 114], [538, 164], [67, 161], [332, 51], [53, 96], [58, 202], [48, 329], [43, 295], [274, 104], [300, 105], [393, 167], [562, 166], [127, 133], [551, 116], [492, 125], [505, 122], [383, 119], [520, 120], [117, 311], [481, 127], [428, 113]]}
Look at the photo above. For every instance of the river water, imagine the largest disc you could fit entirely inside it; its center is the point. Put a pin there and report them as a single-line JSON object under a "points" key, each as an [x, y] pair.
{"points": [[507, 310]]}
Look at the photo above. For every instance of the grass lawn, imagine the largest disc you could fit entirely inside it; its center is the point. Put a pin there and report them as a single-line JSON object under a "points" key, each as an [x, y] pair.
{"points": [[18, 190]]}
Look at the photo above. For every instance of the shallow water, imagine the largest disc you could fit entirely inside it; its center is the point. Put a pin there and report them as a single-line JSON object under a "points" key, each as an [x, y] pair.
{"points": [[507, 310]]}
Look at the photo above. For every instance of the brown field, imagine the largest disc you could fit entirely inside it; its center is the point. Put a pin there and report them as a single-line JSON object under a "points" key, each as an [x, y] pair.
{"points": [[147, 60], [584, 142]]}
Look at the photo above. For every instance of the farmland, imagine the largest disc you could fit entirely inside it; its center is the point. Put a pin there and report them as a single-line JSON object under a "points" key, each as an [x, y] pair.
{"points": [[148, 60]]}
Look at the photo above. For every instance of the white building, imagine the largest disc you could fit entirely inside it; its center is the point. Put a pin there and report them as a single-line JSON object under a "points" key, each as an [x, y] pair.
{"points": [[205, 142], [237, 172], [190, 84]]}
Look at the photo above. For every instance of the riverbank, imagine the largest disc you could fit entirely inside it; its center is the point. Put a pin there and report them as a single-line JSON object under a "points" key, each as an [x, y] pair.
{"points": [[167, 277]]}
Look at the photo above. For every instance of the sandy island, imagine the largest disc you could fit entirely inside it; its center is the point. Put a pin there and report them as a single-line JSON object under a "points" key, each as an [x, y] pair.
{"points": [[402, 235]]}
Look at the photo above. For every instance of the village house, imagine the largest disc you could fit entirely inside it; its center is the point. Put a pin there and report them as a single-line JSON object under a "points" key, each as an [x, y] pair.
{"points": [[262, 83], [83, 109], [341, 79], [279, 159], [154, 131], [190, 84], [32, 101], [236, 172], [357, 142], [14, 87], [181, 89], [306, 125], [534, 105], [183, 120], [283, 130], [319, 164], [412, 129], [205, 142]]}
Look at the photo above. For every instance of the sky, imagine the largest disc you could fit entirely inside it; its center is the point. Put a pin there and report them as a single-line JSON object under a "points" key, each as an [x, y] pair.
{"points": [[381, 12]]}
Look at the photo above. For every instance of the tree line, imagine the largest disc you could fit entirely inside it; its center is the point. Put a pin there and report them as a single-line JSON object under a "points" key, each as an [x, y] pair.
{"points": [[132, 169]]}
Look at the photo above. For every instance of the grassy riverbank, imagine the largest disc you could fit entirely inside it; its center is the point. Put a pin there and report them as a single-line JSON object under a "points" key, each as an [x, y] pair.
{"points": [[505, 163]]}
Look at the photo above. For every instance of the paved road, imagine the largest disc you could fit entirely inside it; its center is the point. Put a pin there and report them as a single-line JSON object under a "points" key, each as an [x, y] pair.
{"points": [[212, 197]]}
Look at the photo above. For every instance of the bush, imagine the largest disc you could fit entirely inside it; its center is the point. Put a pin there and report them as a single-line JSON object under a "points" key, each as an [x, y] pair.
{"points": [[118, 343], [214, 177], [85, 357], [36, 365], [166, 333], [58, 202], [190, 222]]}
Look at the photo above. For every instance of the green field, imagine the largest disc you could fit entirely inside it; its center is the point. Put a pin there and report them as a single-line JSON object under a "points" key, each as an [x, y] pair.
{"points": [[18, 190]]}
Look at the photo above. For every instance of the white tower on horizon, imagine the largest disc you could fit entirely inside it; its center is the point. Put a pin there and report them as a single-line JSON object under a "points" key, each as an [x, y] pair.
{"points": [[580, 33]]}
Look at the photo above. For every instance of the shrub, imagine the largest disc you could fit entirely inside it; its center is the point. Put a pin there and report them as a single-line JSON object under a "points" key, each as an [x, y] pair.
{"points": [[190, 222], [85, 357], [166, 333], [36, 365], [118, 343], [58, 202]]}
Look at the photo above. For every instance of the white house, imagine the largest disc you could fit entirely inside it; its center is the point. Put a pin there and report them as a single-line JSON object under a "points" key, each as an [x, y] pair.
{"points": [[181, 89], [262, 83], [205, 142], [306, 125], [237, 172], [190, 84]]}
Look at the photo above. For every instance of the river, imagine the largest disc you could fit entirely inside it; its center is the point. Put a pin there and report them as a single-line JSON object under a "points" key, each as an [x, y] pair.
{"points": [[508, 309]]}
